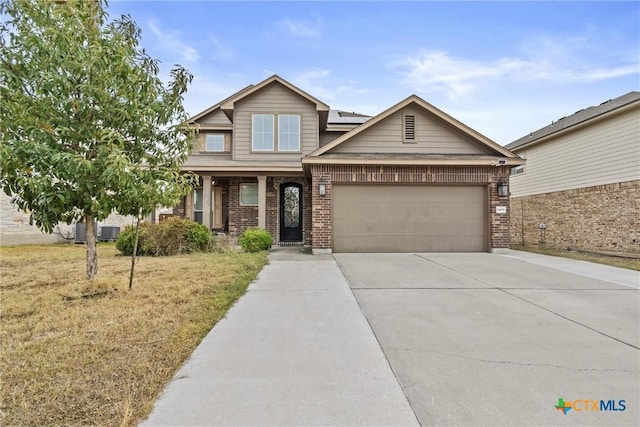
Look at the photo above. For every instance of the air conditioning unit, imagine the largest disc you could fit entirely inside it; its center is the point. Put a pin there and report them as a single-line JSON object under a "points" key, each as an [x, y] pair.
{"points": [[81, 232], [109, 234]]}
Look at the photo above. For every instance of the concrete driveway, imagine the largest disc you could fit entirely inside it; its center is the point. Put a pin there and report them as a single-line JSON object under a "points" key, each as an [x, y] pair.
{"points": [[485, 339]]}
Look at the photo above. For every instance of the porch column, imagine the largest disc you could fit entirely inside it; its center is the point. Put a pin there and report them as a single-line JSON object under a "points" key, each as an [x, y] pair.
{"points": [[262, 201], [206, 201]]}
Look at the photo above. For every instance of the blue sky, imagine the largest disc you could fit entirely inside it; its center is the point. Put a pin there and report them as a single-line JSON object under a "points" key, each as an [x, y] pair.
{"points": [[503, 68]]}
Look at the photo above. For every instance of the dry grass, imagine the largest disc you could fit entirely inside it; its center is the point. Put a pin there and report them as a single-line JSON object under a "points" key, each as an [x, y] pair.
{"points": [[104, 360], [628, 263]]}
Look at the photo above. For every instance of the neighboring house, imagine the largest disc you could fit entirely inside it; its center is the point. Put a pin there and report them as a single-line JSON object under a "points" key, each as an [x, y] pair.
{"points": [[16, 230], [580, 187], [411, 179]]}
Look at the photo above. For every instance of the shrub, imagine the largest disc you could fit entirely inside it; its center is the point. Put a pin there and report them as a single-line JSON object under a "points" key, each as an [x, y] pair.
{"points": [[255, 240], [124, 242], [170, 237]]}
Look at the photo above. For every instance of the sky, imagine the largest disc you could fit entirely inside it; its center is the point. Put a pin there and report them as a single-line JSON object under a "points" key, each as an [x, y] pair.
{"points": [[503, 68]]}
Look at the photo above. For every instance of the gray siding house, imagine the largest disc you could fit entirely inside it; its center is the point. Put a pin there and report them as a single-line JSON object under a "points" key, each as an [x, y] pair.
{"points": [[581, 180]]}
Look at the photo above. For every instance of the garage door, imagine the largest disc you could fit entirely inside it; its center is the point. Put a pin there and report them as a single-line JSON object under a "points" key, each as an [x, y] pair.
{"points": [[409, 218]]}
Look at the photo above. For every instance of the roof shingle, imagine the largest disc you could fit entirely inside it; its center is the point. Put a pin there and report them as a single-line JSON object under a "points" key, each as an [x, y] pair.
{"points": [[576, 118]]}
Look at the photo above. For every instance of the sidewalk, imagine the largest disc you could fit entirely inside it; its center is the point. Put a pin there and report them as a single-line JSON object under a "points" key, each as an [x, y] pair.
{"points": [[295, 350], [621, 276]]}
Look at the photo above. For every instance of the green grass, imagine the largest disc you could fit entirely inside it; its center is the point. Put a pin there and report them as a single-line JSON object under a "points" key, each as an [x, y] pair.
{"points": [[104, 360], [628, 263]]}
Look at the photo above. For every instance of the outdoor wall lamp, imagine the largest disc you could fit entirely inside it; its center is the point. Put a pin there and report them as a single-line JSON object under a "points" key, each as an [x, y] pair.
{"points": [[503, 188], [322, 189]]}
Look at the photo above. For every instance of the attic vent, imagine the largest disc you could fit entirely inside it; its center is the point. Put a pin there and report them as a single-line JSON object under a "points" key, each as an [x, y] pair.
{"points": [[409, 128]]}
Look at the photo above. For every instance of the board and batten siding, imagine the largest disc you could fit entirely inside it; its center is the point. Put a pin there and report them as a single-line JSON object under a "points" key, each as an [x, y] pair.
{"points": [[274, 99], [215, 118], [606, 152], [432, 137]]}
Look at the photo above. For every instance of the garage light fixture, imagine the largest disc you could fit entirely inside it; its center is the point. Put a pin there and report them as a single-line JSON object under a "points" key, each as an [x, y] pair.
{"points": [[503, 188], [322, 188]]}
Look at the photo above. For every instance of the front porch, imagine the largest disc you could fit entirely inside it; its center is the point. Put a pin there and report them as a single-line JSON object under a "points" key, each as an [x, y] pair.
{"points": [[231, 204]]}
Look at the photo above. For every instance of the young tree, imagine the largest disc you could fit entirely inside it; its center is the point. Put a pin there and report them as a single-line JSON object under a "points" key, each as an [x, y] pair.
{"points": [[86, 124]]}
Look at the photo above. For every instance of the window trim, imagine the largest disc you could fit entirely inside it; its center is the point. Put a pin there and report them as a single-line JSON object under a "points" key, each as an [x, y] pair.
{"points": [[195, 199], [517, 170], [273, 136], [298, 149], [224, 142], [240, 201], [276, 133]]}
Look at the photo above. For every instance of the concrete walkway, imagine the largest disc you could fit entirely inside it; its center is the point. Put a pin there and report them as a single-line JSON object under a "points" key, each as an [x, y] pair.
{"points": [[620, 276], [295, 350]]}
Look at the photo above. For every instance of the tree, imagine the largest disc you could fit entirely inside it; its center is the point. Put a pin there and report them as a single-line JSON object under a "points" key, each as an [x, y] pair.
{"points": [[86, 125]]}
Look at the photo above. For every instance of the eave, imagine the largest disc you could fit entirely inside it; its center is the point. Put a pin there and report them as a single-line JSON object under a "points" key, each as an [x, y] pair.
{"points": [[577, 126], [495, 161]]}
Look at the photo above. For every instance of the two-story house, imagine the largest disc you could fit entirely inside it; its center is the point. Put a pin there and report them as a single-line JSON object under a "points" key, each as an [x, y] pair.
{"points": [[580, 188], [411, 179]]}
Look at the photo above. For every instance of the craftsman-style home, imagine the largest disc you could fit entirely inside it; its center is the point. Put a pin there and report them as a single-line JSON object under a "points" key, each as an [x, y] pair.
{"points": [[411, 179]]}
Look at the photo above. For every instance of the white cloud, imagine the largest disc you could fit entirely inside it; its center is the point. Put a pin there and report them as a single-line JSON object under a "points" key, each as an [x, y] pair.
{"points": [[541, 58], [218, 50], [317, 83], [301, 28], [170, 42]]}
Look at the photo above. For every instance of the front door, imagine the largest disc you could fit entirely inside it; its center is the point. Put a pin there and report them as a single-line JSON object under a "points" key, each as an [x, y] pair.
{"points": [[291, 213]]}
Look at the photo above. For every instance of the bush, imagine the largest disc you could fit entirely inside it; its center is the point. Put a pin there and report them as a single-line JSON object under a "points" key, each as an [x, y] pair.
{"points": [[255, 240], [170, 237], [124, 243]]}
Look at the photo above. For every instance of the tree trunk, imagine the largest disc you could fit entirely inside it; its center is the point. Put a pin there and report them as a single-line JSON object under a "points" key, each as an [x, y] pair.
{"points": [[135, 251], [92, 255]]}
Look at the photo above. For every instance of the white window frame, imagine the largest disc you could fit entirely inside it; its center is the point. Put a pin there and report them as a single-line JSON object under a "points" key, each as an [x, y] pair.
{"points": [[240, 193], [253, 132], [195, 201], [296, 149], [206, 142], [517, 170]]}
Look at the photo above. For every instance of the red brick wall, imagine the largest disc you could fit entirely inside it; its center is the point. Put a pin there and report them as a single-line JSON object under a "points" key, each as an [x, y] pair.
{"points": [[489, 175]]}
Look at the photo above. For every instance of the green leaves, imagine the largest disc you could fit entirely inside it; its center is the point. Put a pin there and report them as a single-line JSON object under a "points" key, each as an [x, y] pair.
{"points": [[86, 125]]}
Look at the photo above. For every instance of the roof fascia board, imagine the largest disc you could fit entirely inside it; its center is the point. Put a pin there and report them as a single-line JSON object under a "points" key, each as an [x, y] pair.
{"points": [[412, 162], [578, 126], [428, 107], [215, 106], [236, 169], [228, 103]]}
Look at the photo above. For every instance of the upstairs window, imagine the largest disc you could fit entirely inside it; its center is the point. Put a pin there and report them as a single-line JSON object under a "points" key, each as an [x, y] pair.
{"points": [[263, 132], [288, 133], [214, 142], [409, 128]]}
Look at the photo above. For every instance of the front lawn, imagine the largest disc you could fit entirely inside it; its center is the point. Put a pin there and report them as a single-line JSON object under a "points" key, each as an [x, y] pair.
{"points": [[103, 360]]}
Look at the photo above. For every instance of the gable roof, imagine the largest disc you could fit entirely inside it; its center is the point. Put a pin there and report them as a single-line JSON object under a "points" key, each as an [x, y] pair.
{"points": [[414, 99], [228, 103], [216, 106], [576, 119]]}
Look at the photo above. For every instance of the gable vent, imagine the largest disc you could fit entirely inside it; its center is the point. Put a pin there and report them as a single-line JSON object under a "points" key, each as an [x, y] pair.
{"points": [[409, 128]]}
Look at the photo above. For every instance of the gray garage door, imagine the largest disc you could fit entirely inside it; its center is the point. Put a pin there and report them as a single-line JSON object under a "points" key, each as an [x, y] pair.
{"points": [[409, 218]]}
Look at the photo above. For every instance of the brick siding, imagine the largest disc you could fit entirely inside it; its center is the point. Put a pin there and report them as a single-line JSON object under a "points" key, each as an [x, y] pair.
{"points": [[240, 217], [329, 174], [598, 218]]}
